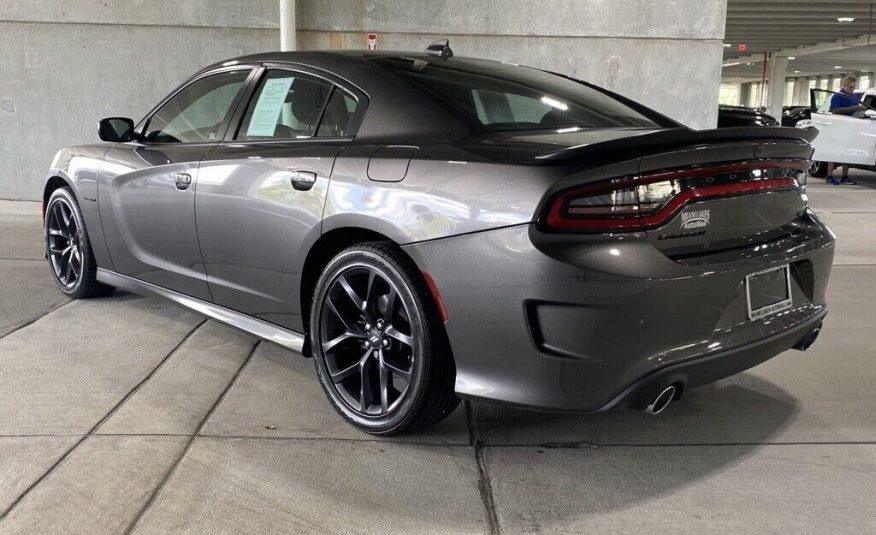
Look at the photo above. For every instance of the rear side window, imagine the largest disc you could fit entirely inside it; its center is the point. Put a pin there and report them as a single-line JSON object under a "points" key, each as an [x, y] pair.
{"points": [[495, 107], [287, 105], [506, 97], [338, 114]]}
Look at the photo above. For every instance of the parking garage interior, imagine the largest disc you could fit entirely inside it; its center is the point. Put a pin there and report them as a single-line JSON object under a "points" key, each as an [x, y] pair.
{"points": [[130, 414]]}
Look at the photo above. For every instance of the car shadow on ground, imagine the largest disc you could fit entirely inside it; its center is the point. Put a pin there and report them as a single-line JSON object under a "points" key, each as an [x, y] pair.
{"points": [[615, 460], [740, 409]]}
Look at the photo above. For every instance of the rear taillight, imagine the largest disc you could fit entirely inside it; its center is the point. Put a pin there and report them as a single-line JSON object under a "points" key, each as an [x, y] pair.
{"points": [[649, 201]]}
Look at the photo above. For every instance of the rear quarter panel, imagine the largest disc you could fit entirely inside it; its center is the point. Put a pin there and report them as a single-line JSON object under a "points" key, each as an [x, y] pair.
{"points": [[438, 197]]}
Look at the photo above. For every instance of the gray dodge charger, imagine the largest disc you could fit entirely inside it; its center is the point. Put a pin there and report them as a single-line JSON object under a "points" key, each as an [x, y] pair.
{"points": [[428, 228]]}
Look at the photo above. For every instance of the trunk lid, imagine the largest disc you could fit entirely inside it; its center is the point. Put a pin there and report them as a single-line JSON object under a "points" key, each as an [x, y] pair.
{"points": [[693, 192], [743, 193]]}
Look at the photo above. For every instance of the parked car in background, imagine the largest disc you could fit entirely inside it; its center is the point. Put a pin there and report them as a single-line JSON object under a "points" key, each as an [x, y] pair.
{"points": [[730, 116], [794, 114], [428, 227], [849, 139]]}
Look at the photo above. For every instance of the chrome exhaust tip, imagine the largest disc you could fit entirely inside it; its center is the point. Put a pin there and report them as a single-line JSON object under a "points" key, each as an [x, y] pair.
{"points": [[806, 342], [663, 399]]}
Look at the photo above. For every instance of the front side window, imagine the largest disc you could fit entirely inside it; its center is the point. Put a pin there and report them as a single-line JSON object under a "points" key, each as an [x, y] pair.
{"points": [[505, 97], [198, 111], [287, 105]]}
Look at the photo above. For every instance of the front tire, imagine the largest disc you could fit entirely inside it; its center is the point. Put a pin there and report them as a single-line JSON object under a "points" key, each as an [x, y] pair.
{"points": [[818, 169], [379, 347], [68, 249]]}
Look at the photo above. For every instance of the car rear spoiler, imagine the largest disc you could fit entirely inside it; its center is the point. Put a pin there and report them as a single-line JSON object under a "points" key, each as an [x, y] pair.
{"points": [[676, 138]]}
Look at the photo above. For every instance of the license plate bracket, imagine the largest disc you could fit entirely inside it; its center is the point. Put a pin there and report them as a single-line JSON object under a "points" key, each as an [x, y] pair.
{"points": [[768, 292]]}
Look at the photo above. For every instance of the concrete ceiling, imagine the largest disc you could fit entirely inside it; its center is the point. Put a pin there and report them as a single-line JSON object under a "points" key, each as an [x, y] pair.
{"points": [[782, 25]]}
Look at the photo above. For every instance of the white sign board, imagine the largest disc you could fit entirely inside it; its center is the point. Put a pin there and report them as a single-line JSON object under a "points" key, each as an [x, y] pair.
{"points": [[267, 110]]}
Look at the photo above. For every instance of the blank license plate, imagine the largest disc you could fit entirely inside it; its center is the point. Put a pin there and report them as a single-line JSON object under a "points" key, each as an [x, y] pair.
{"points": [[768, 292]]}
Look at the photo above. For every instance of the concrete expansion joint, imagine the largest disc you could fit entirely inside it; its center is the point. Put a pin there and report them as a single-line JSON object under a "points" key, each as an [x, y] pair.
{"points": [[485, 485], [568, 445], [34, 319], [172, 470], [95, 427]]}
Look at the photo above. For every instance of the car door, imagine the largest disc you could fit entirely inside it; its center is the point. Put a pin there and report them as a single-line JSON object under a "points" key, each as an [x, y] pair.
{"points": [[841, 138], [261, 193], [146, 191]]}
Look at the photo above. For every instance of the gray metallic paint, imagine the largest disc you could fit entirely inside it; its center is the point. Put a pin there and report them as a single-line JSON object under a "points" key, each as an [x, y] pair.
{"points": [[558, 321], [618, 309], [262, 329], [255, 229], [149, 224]]}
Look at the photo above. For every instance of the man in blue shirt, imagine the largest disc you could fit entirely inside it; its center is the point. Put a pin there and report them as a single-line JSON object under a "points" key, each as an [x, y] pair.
{"points": [[844, 103]]}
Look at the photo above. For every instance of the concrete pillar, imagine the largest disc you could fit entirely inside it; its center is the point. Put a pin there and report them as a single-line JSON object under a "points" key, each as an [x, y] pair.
{"points": [[778, 71], [744, 93], [801, 92], [287, 25]]}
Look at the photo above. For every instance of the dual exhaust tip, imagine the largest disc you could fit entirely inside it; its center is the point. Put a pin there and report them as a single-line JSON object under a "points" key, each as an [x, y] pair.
{"points": [[806, 342], [659, 403]]}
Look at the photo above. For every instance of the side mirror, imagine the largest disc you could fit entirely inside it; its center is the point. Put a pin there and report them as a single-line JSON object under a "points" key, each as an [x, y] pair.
{"points": [[116, 129]]}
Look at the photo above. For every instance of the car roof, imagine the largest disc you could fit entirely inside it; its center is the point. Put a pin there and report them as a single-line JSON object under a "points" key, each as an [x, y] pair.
{"points": [[328, 59]]}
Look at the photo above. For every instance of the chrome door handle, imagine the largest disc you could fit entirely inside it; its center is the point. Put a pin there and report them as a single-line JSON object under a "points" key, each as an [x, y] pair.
{"points": [[183, 181], [303, 180]]}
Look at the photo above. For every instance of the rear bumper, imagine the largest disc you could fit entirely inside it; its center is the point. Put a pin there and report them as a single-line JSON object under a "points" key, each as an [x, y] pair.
{"points": [[710, 368], [583, 323]]}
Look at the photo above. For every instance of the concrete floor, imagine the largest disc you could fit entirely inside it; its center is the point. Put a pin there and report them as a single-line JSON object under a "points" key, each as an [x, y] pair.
{"points": [[127, 414]]}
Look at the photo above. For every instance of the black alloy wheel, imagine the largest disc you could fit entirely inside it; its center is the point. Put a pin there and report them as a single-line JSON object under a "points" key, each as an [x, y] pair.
{"points": [[68, 249], [381, 352], [817, 169], [64, 244], [367, 341]]}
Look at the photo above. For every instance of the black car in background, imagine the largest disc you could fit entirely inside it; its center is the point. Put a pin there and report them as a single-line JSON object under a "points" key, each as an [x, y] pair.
{"points": [[794, 114], [730, 116]]}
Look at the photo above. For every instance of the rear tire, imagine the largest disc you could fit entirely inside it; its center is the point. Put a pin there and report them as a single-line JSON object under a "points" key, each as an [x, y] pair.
{"points": [[379, 347], [818, 169], [68, 248]]}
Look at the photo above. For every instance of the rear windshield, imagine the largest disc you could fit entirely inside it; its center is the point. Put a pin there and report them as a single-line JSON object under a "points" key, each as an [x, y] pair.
{"points": [[506, 97]]}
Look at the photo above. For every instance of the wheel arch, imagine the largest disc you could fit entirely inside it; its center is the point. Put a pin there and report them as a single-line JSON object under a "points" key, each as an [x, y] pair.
{"points": [[53, 182], [326, 247], [320, 254]]}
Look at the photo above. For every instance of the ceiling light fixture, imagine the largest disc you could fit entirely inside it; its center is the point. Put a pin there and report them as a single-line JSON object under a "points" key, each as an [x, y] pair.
{"points": [[837, 66], [792, 58], [845, 19], [727, 45]]}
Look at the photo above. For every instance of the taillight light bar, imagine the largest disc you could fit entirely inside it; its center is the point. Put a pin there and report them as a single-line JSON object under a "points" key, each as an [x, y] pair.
{"points": [[649, 201]]}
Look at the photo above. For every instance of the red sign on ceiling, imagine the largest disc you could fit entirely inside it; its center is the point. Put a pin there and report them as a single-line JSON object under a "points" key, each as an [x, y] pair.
{"points": [[742, 47]]}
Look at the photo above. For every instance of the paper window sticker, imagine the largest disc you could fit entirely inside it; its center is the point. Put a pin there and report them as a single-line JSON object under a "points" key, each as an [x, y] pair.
{"points": [[268, 108]]}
